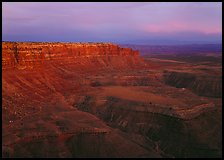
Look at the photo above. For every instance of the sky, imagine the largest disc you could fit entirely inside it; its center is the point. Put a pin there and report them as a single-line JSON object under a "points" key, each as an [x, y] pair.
{"points": [[117, 22]]}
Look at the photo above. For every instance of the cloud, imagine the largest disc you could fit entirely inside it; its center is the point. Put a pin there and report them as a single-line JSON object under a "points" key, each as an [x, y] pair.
{"points": [[109, 20]]}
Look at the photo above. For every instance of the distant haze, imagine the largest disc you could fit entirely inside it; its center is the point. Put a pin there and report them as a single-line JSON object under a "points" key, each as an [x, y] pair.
{"points": [[176, 49], [124, 23]]}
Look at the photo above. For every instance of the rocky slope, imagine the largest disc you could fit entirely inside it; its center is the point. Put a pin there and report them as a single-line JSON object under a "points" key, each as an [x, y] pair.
{"points": [[170, 131], [204, 85], [62, 100], [37, 119], [172, 136]]}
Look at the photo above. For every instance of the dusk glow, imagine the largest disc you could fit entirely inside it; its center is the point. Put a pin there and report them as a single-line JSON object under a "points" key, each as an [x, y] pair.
{"points": [[112, 80], [140, 23]]}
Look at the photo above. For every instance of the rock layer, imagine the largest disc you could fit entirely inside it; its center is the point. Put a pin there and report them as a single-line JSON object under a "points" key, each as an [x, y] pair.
{"points": [[203, 85], [30, 54]]}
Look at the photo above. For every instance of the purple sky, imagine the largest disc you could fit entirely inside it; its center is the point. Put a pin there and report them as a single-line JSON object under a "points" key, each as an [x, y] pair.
{"points": [[132, 22]]}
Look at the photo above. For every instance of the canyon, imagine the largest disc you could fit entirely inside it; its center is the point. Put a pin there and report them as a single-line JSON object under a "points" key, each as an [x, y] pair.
{"points": [[103, 100]]}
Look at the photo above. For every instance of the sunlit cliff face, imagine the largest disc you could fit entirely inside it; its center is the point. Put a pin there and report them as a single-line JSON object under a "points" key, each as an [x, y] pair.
{"points": [[17, 55]]}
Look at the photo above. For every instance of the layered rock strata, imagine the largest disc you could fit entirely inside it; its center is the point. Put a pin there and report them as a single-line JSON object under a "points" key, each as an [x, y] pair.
{"points": [[31, 54], [204, 85]]}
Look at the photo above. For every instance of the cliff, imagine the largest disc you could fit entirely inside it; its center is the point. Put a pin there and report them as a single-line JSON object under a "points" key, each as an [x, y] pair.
{"points": [[203, 85], [30, 54], [38, 79]]}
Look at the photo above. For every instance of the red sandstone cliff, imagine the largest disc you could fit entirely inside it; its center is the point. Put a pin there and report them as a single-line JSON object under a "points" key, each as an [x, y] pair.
{"points": [[37, 80], [30, 54]]}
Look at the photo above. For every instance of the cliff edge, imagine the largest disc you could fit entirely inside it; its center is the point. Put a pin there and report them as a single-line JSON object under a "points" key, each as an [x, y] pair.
{"points": [[22, 55]]}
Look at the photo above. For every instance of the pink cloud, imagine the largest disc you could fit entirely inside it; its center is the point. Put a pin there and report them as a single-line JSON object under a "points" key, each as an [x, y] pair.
{"points": [[128, 20], [178, 26]]}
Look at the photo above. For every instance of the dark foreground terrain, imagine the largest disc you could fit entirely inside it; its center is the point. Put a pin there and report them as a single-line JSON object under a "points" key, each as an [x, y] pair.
{"points": [[101, 100]]}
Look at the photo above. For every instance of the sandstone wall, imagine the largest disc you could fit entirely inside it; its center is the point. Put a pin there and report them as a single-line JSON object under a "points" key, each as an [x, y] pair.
{"points": [[20, 54]]}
